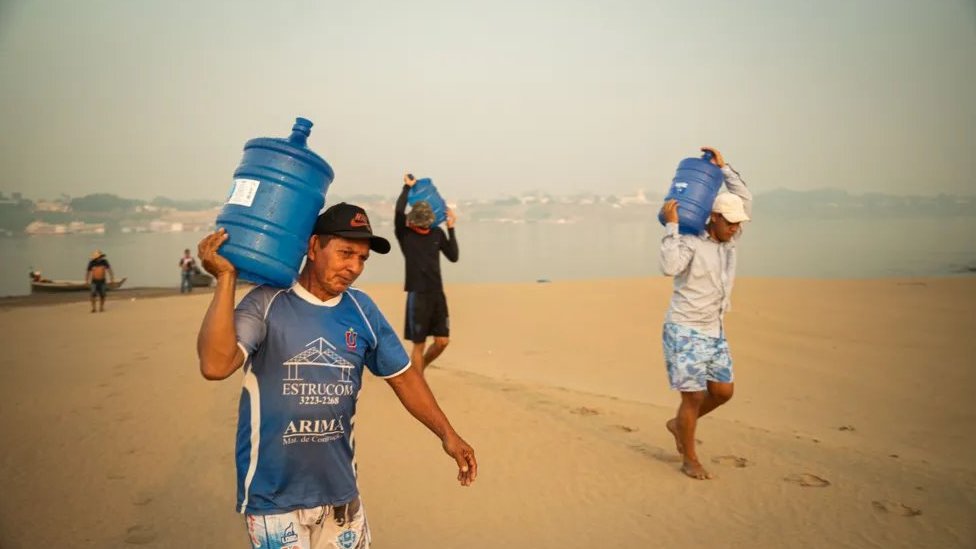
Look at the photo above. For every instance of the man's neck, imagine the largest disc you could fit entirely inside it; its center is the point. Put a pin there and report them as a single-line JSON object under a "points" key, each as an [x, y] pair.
{"points": [[305, 280], [710, 229]]}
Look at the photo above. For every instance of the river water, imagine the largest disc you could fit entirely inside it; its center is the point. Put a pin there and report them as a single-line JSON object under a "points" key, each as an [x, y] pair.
{"points": [[499, 252]]}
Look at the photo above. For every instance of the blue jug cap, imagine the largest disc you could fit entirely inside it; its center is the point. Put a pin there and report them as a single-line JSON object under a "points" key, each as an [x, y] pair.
{"points": [[294, 145], [300, 131]]}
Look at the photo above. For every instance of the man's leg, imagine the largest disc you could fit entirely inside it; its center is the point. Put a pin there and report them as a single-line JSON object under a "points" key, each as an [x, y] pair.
{"points": [[690, 359], [718, 394], [720, 376], [440, 343], [417, 355], [686, 421], [439, 327]]}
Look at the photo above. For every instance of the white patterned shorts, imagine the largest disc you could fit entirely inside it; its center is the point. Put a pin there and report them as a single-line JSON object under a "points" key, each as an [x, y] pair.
{"points": [[322, 527], [693, 358]]}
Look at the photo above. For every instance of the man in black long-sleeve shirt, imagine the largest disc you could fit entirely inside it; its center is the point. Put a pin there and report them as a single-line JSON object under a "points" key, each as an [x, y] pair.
{"points": [[422, 243]]}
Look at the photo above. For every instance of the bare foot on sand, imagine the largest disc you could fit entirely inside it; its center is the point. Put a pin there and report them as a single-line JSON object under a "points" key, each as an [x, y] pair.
{"points": [[695, 470], [672, 426]]}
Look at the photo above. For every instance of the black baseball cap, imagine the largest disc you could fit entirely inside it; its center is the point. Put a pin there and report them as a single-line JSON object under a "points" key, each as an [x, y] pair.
{"points": [[349, 221]]}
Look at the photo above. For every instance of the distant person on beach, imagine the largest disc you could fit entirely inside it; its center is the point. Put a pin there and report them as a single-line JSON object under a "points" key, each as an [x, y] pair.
{"points": [[188, 266], [696, 352], [98, 268], [422, 243], [37, 276], [303, 350]]}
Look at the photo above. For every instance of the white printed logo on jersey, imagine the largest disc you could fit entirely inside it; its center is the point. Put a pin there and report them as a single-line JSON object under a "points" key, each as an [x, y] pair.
{"points": [[319, 353]]}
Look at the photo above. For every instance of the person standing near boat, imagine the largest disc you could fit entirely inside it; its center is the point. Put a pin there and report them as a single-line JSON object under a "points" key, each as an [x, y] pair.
{"points": [[188, 266], [98, 268]]}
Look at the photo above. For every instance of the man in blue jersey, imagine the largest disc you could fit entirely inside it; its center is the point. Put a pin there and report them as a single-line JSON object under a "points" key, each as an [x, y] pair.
{"points": [[696, 352], [302, 350]]}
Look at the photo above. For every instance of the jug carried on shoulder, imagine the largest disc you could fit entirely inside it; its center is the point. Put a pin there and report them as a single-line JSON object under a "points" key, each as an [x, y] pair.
{"points": [[424, 190], [279, 190], [695, 186]]}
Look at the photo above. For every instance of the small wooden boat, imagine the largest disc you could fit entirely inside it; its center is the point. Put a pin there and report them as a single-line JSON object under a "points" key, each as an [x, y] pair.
{"points": [[55, 286]]}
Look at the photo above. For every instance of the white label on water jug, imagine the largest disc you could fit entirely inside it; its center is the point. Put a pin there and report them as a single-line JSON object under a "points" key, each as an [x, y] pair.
{"points": [[244, 191]]}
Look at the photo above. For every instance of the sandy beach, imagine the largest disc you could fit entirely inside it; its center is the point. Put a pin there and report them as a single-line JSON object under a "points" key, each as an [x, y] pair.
{"points": [[852, 423]]}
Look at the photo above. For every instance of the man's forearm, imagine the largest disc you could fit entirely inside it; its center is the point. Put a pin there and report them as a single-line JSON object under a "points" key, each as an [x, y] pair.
{"points": [[415, 395], [399, 217], [736, 186], [451, 250], [217, 339]]}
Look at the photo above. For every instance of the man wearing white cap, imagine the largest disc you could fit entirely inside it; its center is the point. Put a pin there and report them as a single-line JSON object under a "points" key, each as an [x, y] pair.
{"points": [[696, 352]]}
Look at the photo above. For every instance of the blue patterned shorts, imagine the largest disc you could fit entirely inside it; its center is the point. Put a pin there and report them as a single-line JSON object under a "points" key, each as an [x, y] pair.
{"points": [[694, 358], [321, 527]]}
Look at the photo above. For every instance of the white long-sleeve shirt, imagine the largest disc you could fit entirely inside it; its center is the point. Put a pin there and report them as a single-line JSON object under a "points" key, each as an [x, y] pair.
{"points": [[703, 269]]}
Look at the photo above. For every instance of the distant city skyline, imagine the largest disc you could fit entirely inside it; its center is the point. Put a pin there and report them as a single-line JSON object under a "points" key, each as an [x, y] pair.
{"points": [[150, 99], [651, 195]]}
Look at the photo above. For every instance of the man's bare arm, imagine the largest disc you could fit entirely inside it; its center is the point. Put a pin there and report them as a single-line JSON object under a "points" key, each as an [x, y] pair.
{"points": [[217, 348], [415, 395]]}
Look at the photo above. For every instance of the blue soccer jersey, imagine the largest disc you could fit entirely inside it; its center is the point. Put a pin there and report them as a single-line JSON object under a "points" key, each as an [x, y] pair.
{"points": [[302, 376]]}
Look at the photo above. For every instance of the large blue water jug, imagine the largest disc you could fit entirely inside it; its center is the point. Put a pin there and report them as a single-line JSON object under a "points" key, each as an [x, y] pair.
{"points": [[425, 190], [279, 189], [695, 186]]}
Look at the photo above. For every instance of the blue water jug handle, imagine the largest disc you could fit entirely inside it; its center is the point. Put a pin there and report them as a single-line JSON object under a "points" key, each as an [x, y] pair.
{"points": [[708, 156], [300, 131]]}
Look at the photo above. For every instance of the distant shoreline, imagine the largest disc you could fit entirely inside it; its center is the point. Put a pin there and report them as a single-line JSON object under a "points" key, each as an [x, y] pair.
{"points": [[58, 298], [152, 292]]}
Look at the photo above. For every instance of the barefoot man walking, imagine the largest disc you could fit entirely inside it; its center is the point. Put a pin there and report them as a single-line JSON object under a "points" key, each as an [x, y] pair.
{"points": [[696, 352]]}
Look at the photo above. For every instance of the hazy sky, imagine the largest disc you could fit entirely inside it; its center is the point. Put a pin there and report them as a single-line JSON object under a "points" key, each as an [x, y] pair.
{"points": [[144, 98]]}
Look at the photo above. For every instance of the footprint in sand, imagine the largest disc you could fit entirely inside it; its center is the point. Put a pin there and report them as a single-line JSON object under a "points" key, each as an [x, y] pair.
{"points": [[895, 508], [807, 480], [141, 500], [140, 534], [656, 453], [584, 411], [846, 428], [734, 461]]}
